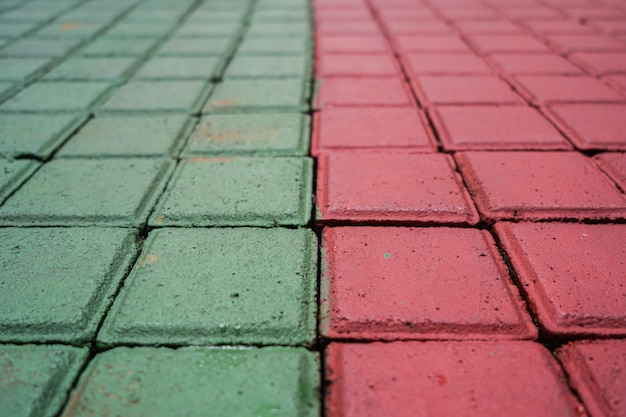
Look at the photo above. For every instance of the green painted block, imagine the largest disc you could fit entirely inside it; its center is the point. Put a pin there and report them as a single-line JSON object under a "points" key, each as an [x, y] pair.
{"points": [[6, 88], [56, 96], [18, 69], [113, 192], [275, 46], [223, 191], [256, 95], [279, 29], [13, 174], [35, 134], [284, 134], [199, 382], [218, 286], [268, 66], [70, 29], [57, 283], [141, 15], [39, 47], [179, 46], [91, 69], [12, 30], [106, 46], [35, 380], [181, 96], [280, 15], [127, 136], [202, 29], [180, 68], [139, 30]]}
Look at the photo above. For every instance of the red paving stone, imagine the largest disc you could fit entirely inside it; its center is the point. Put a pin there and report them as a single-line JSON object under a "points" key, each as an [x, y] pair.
{"points": [[535, 64], [363, 91], [370, 65], [445, 64], [567, 44], [351, 44], [601, 63], [614, 165], [546, 89], [435, 43], [489, 44], [435, 90], [487, 27]]}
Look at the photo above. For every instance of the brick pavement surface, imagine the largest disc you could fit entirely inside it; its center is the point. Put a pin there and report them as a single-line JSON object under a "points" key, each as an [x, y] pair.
{"points": [[312, 208]]}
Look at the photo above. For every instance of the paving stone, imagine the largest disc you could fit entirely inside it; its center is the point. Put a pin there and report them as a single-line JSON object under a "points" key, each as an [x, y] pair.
{"points": [[592, 126], [545, 89], [612, 27], [39, 47], [614, 165], [347, 27], [242, 382], [420, 189], [36, 379], [351, 44], [63, 28], [421, 27], [243, 192], [552, 27], [595, 370], [567, 44], [472, 379], [257, 95], [371, 127], [277, 66], [261, 289], [57, 283], [180, 68], [436, 44], [533, 64], [90, 69], [363, 91], [539, 185], [617, 82], [12, 174], [138, 30], [601, 63], [572, 275], [495, 128], [474, 89], [186, 96], [56, 96], [488, 44], [35, 134], [107, 46], [487, 27], [469, 293], [275, 46], [271, 29], [350, 65], [445, 64], [13, 30], [285, 134], [112, 192], [128, 136], [178, 46], [18, 69], [202, 30]]}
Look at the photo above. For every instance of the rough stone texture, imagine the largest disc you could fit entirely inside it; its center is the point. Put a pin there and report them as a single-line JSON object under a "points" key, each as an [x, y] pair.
{"points": [[539, 185], [36, 379], [435, 90], [91, 69], [235, 191], [113, 192], [180, 68], [481, 379], [232, 286], [58, 282], [572, 273], [363, 91], [56, 96], [409, 188], [614, 165], [12, 174], [191, 381], [548, 89], [407, 283], [596, 370], [268, 66], [261, 94]]}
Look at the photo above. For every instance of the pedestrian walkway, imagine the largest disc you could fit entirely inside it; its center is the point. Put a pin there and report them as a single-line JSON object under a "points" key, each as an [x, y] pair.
{"points": [[340, 208]]}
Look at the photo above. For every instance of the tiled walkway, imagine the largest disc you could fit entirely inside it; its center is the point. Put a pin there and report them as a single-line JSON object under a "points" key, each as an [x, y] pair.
{"points": [[454, 246]]}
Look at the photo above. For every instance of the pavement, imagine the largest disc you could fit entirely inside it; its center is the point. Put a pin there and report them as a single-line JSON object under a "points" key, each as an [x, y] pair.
{"points": [[345, 208]]}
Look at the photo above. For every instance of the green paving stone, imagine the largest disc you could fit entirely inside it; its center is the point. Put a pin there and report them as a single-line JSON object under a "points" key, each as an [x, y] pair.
{"points": [[231, 286], [113, 192], [35, 134], [129, 136], [180, 68], [220, 16], [274, 46], [281, 29], [237, 191], [56, 96], [140, 15], [57, 283], [279, 66], [5, 88], [70, 29], [284, 134], [281, 15], [186, 96], [13, 174], [204, 29], [138, 30], [199, 382], [90, 69], [255, 95], [35, 380], [106, 46], [17, 69], [37, 47], [197, 47], [12, 30]]}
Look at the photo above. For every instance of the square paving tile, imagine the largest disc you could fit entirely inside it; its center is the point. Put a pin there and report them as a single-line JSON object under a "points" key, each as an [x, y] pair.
{"points": [[437, 43], [614, 165], [288, 94], [12, 174], [18, 69], [348, 65], [533, 64], [438, 283], [107, 46], [112, 192], [56, 96], [57, 283], [178, 46], [539, 186], [390, 187], [488, 44], [351, 44], [268, 66], [363, 91], [38, 47], [180, 68], [461, 63], [288, 46], [91, 69], [576, 43], [601, 63], [572, 275], [232, 286], [546, 89], [474, 89]]}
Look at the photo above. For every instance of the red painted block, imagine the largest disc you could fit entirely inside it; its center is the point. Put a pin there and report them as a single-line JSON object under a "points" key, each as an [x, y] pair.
{"points": [[456, 14], [438, 44], [614, 165], [567, 44], [349, 28], [445, 64], [363, 91], [495, 128], [617, 82], [388, 187], [601, 63], [470, 379], [433, 90], [613, 27], [489, 44], [596, 371], [592, 126], [405, 15], [536, 13], [418, 27], [341, 15], [371, 127], [550, 89], [351, 65], [554, 27], [573, 275], [351, 44], [533, 64], [487, 27], [438, 283], [539, 185]]}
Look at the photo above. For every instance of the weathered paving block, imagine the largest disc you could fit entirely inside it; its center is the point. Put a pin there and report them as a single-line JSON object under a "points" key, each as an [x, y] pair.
{"points": [[473, 379], [38, 47], [536, 64], [572, 273], [471, 89], [552, 89], [235, 191], [363, 91], [36, 379], [106, 46], [539, 185], [56, 96], [35, 134], [178, 46], [232, 286], [392, 188], [12, 174], [275, 46], [595, 370], [489, 44], [438, 283], [139, 30], [12, 30], [18, 69], [226, 382], [268, 66], [458, 63], [351, 44], [600, 63], [284, 134], [112, 192], [182, 68], [91, 68], [127, 136], [355, 65], [614, 165], [58, 282], [63, 29], [257, 95], [285, 29], [204, 30]]}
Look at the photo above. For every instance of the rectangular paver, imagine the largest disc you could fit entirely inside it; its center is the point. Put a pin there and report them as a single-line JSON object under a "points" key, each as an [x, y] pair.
{"points": [[12, 174], [56, 96], [614, 165], [363, 91], [551, 89], [91, 69], [268, 66], [471, 89], [180, 68], [288, 94]]}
